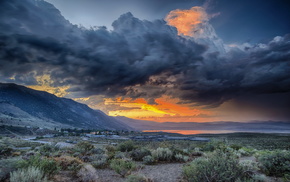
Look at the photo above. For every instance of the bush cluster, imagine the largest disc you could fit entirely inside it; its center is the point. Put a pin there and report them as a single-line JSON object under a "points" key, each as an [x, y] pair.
{"points": [[99, 161], [5, 151], [275, 163], [162, 154], [139, 154], [84, 147], [69, 163], [216, 167], [181, 158], [88, 174], [246, 151], [126, 146], [236, 146], [149, 160], [122, 167], [48, 166], [7, 166], [49, 150], [30, 174], [213, 145], [120, 155]]}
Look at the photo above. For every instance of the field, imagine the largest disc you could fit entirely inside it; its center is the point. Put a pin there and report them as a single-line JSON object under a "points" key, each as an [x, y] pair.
{"points": [[232, 157]]}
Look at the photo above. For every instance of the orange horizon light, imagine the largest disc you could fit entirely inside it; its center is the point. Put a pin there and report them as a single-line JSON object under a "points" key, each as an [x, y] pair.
{"points": [[166, 110]]}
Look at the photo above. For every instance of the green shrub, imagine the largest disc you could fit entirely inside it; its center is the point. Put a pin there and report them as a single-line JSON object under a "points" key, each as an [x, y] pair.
{"points": [[249, 165], [48, 149], [48, 166], [122, 167], [186, 151], [259, 178], [176, 150], [149, 160], [246, 151], [136, 178], [209, 147], [139, 154], [217, 167], [162, 154], [120, 155], [30, 174], [5, 151], [275, 163], [213, 145], [69, 163], [286, 177], [110, 148], [236, 146], [99, 161], [181, 158], [126, 146], [7, 166], [196, 154], [77, 154], [84, 147], [88, 174], [98, 151]]}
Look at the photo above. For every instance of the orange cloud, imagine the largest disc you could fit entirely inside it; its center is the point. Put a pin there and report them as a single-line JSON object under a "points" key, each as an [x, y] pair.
{"points": [[186, 21], [139, 108], [166, 110]]}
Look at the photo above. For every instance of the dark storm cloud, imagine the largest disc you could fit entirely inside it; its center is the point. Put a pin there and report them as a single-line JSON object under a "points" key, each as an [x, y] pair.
{"points": [[261, 69], [93, 61], [136, 59]]}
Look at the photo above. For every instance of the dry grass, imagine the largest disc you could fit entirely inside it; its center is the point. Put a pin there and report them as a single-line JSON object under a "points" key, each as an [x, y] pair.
{"points": [[88, 174], [69, 163]]}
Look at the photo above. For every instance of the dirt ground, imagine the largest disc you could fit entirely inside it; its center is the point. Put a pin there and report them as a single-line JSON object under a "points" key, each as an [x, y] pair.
{"points": [[157, 173]]}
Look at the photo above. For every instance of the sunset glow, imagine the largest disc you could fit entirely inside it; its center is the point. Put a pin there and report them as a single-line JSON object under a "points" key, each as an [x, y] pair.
{"points": [[165, 110]]}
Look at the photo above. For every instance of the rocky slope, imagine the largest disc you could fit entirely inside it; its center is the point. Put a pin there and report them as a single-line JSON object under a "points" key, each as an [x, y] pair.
{"points": [[20, 105]]}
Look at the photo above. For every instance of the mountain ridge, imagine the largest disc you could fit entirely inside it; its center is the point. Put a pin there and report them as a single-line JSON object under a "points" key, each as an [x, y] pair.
{"points": [[23, 105], [260, 126]]}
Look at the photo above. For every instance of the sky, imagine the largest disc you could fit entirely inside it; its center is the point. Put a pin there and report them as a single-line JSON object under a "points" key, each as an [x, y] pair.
{"points": [[236, 21], [158, 60]]}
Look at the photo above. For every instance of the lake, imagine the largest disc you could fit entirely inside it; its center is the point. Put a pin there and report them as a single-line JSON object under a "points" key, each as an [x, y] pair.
{"points": [[192, 132]]}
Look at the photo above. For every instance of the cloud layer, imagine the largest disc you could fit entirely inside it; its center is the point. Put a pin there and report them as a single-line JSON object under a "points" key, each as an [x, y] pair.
{"points": [[136, 59]]}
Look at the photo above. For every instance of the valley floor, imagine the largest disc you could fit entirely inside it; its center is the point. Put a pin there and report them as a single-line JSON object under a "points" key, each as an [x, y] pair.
{"points": [[85, 159]]}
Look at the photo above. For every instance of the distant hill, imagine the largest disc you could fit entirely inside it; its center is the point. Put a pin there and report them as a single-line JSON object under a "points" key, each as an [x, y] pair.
{"points": [[251, 126], [23, 106]]}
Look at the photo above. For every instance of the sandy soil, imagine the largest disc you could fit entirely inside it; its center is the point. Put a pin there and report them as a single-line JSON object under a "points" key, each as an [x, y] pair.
{"points": [[157, 173]]}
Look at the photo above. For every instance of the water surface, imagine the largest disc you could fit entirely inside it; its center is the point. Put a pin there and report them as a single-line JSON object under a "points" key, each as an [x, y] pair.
{"points": [[192, 132]]}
